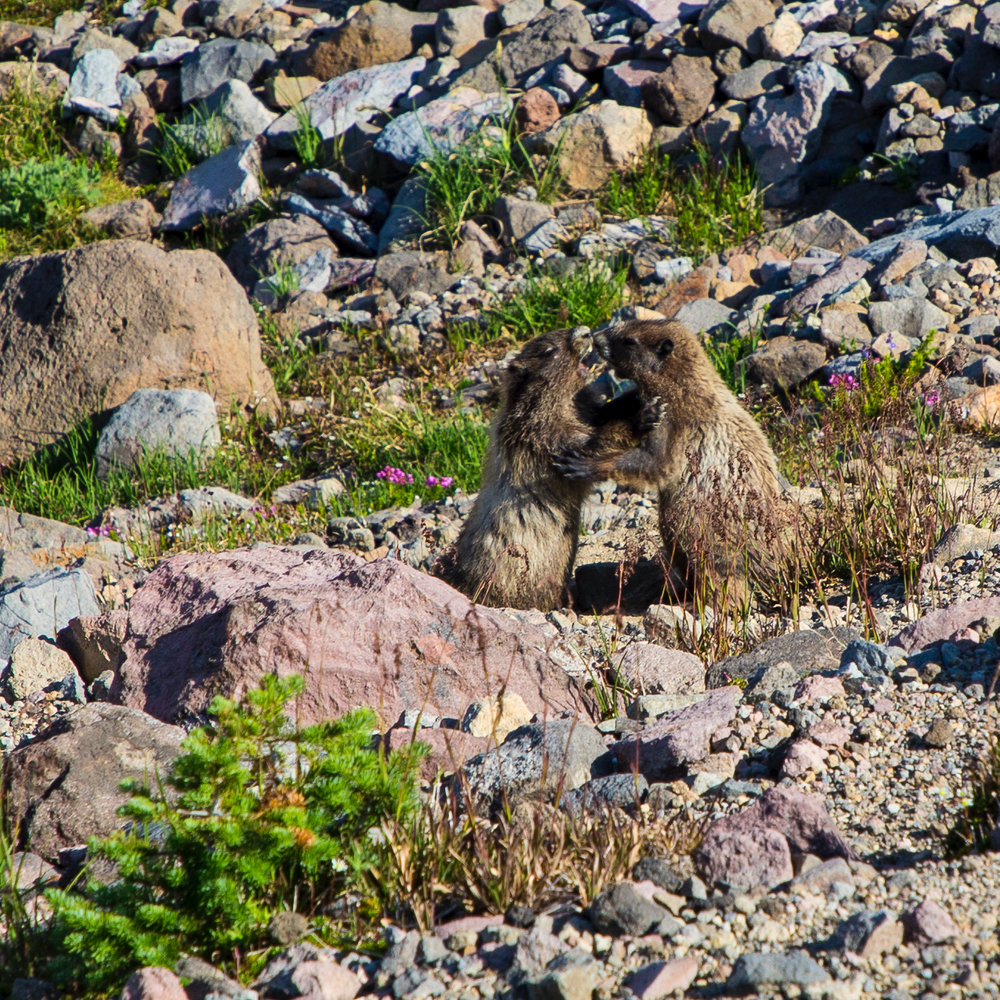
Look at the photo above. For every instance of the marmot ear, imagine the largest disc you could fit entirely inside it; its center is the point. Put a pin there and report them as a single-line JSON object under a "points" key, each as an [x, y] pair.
{"points": [[665, 348]]}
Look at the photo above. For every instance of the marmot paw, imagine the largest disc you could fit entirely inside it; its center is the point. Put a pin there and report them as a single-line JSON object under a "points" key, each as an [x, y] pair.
{"points": [[572, 464], [651, 413]]}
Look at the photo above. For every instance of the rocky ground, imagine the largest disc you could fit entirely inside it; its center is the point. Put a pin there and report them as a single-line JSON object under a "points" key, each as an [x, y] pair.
{"points": [[873, 128]]}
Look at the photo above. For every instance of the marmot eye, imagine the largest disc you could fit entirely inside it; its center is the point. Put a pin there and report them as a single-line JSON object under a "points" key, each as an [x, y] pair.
{"points": [[664, 347]]}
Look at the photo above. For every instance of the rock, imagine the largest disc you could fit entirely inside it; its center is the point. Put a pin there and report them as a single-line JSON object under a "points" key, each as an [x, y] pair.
{"points": [[705, 315], [153, 983], [756, 79], [222, 184], [402, 272], [35, 665], [870, 934], [459, 29], [801, 818], [681, 94], [960, 235], [938, 626], [562, 753], [652, 669], [734, 22], [912, 317], [94, 643], [821, 878], [496, 717], [29, 544], [191, 323], [792, 968], [441, 124], [130, 218], [212, 64], [573, 975], [518, 217], [24, 871], [623, 909], [36, 75], [347, 231], [534, 950], [535, 111], [63, 786], [784, 362], [43, 604], [780, 38], [348, 100], [928, 924], [378, 33], [623, 82], [809, 651], [178, 422], [825, 230], [95, 78], [622, 791], [319, 979], [546, 40], [407, 217], [801, 757], [677, 738], [782, 133], [658, 980], [205, 982], [245, 117], [274, 242], [257, 610], [166, 51], [744, 859], [829, 286]]}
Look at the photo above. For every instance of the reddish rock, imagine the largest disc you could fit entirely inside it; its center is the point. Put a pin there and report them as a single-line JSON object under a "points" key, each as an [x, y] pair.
{"points": [[153, 983], [679, 737], [937, 626], [928, 924], [818, 689], [756, 856], [536, 111], [379, 634], [802, 756], [802, 818], [827, 733], [652, 669], [449, 748], [660, 979]]}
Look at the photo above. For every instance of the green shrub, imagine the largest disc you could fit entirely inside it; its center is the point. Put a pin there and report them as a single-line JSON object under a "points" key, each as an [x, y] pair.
{"points": [[33, 192], [256, 817]]}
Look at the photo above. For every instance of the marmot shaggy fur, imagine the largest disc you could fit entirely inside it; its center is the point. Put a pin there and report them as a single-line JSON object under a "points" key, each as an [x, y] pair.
{"points": [[518, 545], [720, 491]]}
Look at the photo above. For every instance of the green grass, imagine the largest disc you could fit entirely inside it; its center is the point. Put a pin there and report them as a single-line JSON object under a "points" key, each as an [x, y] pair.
{"points": [[197, 136], [584, 295], [44, 184], [463, 183], [715, 201], [44, 12], [729, 356]]}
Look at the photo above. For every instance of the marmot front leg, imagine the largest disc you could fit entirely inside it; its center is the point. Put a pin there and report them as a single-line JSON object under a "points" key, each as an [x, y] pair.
{"points": [[636, 466]]}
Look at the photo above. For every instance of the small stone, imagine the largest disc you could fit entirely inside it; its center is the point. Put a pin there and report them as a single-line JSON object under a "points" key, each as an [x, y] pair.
{"points": [[659, 979], [940, 734], [623, 909], [929, 924]]}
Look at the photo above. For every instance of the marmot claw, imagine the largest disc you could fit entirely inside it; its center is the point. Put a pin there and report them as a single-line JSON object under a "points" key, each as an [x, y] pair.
{"points": [[572, 464], [651, 414]]}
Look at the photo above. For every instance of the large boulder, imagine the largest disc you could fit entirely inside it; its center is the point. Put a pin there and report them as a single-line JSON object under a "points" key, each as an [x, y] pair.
{"points": [[63, 787], [81, 330], [379, 634]]}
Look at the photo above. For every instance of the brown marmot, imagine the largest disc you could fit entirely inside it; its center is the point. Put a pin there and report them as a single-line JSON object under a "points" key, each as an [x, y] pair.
{"points": [[718, 479], [517, 547]]}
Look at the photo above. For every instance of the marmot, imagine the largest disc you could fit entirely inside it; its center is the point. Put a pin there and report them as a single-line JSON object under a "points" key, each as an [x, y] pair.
{"points": [[518, 545], [716, 474]]}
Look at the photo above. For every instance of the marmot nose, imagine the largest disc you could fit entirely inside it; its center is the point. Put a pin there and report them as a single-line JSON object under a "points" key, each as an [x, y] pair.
{"points": [[601, 344]]}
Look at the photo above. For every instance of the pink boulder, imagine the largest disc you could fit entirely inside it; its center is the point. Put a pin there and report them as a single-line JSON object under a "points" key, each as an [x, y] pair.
{"points": [[379, 634]]}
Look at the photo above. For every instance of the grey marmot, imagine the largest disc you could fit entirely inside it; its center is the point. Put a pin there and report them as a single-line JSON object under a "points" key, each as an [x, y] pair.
{"points": [[517, 547], [721, 496]]}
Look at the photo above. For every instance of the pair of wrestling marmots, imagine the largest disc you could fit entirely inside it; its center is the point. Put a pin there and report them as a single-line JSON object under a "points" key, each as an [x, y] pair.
{"points": [[681, 430]]}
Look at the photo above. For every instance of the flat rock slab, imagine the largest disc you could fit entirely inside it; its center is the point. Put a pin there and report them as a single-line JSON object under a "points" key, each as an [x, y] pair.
{"points": [[379, 634], [222, 184], [960, 235]]}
